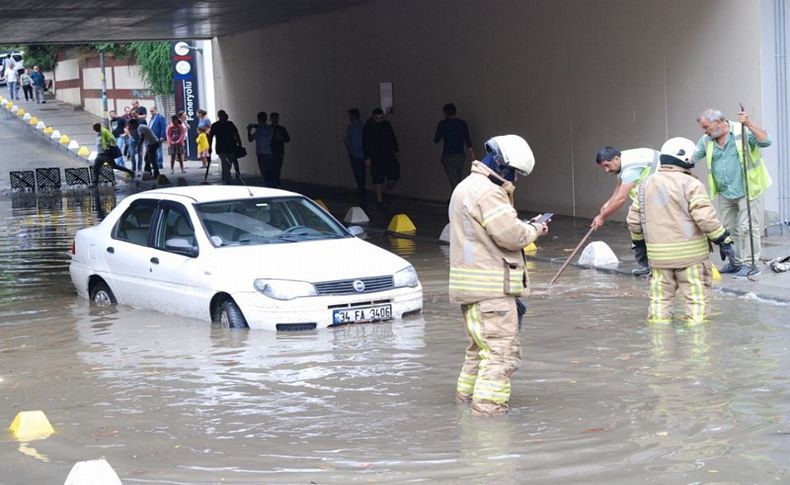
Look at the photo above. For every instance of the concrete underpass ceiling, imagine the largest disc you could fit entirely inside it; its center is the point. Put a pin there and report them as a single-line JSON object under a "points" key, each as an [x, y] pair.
{"points": [[69, 21]]}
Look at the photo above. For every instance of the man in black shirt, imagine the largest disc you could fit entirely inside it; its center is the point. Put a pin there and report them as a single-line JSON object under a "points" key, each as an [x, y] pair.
{"points": [[381, 154], [455, 134]]}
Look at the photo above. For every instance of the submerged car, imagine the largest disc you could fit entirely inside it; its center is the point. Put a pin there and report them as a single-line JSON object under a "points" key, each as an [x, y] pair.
{"points": [[243, 257]]}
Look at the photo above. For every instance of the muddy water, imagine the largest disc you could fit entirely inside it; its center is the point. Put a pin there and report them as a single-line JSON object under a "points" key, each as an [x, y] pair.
{"points": [[600, 396]]}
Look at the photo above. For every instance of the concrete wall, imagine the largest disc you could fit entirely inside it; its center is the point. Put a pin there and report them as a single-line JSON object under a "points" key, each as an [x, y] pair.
{"points": [[568, 75]]}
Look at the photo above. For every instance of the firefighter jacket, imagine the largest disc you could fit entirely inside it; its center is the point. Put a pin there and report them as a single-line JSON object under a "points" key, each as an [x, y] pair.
{"points": [[675, 217], [486, 239]]}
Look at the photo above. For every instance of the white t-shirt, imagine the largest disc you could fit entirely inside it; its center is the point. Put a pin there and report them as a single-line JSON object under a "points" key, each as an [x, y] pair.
{"points": [[10, 75]]}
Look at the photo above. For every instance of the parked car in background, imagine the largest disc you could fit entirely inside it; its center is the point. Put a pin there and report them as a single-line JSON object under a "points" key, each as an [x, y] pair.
{"points": [[256, 257], [6, 58]]}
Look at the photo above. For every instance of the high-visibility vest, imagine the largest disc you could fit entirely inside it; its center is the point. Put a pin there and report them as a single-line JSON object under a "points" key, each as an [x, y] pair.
{"points": [[757, 173], [639, 156]]}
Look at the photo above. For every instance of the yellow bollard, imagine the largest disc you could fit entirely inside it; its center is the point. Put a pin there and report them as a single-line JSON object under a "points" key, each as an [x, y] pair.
{"points": [[530, 249], [33, 121], [64, 140], [714, 271], [20, 112], [401, 223], [83, 152], [31, 425], [322, 204], [48, 130]]}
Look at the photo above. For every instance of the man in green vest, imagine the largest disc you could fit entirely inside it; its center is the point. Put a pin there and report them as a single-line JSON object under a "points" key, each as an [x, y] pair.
{"points": [[722, 147]]}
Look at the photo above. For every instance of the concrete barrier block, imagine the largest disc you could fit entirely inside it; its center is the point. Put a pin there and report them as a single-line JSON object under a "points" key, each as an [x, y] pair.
{"points": [[55, 135], [41, 126], [48, 130], [73, 145], [92, 472], [92, 156], [597, 254], [83, 152], [33, 121], [27, 117], [531, 248], [31, 425], [445, 235], [401, 223], [20, 112], [64, 140], [355, 215]]}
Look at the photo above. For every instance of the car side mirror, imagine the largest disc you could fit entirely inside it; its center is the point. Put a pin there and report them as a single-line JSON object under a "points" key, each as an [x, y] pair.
{"points": [[181, 246], [356, 231]]}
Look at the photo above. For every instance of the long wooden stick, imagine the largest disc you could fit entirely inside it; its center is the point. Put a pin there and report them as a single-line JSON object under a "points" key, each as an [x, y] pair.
{"points": [[567, 261]]}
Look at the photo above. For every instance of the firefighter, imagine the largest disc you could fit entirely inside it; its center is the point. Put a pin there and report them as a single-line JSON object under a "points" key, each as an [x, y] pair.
{"points": [[488, 272], [671, 222]]}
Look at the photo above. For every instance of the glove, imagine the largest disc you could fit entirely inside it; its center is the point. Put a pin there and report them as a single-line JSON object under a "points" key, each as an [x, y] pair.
{"points": [[640, 252], [726, 251]]}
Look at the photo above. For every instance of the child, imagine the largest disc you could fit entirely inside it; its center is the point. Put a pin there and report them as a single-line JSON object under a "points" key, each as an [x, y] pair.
{"points": [[202, 147], [176, 138]]}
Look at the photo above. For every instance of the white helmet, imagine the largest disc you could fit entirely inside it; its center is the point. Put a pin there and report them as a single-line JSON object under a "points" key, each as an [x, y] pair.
{"points": [[512, 151], [678, 151]]}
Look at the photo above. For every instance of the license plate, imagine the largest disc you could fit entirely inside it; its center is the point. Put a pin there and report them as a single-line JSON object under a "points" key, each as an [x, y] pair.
{"points": [[364, 314]]}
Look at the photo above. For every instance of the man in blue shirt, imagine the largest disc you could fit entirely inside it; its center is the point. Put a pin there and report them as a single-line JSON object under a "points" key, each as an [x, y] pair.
{"points": [[720, 146], [455, 134], [356, 153], [158, 126]]}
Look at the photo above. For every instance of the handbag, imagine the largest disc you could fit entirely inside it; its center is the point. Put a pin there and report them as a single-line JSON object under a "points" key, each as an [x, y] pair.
{"points": [[241, 152]]}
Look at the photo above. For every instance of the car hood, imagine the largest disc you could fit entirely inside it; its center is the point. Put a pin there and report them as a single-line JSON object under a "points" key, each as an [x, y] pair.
{"points": [[313, 261]]}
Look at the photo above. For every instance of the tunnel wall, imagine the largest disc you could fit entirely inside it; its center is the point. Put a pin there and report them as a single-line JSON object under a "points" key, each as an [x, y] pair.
{"points": [[568, 75]]}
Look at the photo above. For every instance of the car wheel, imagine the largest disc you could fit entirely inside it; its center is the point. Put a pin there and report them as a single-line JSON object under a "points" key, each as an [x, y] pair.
{"points": [[102, 296], [230, 316]]}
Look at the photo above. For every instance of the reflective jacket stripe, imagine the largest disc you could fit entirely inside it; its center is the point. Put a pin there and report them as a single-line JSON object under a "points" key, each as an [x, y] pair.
{"points": [[494, 213]]}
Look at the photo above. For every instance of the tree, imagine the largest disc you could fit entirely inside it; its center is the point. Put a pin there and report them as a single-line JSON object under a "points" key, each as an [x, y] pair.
{"points": [[155, 65]]}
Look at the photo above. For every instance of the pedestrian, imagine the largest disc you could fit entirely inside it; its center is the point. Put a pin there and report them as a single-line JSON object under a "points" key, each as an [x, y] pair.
{"points": [[176, 140], [381, 154], [202, 147], [203, 120], [356, 153], [227, 142], [280, 137], [133, 143], [108, 151], [39, 84], [722, 147], [11, 78], [488, 272], [142, 114], [27, 84], [158, 125], [148, 146], [631, 167], [671, 222], [263, 133], [455, 134], [118, 129]]}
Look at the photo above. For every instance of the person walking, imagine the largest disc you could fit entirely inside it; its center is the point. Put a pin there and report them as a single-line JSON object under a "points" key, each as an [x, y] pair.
{"points": [[11, 78], [631, 167], [133, 143], [227, 141], [381, 150], [722, 147], [27, 84], [149, 143], [176, 140], [488, 271], [108, 151], [356, 153], [158, 125], [118, 129], [280, 137], [454, 132], [671, 222], [39, 84], [262, 134]]}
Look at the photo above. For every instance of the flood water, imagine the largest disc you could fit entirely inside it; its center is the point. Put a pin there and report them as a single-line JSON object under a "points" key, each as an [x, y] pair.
{"points": [[600, 397]]}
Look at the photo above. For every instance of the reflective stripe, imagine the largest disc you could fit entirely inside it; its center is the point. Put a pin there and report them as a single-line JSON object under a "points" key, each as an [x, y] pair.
{"points": [[466, 383], [697, 293], [697, 200], [683, 250], [494, 391], [496, 212], [756, 172], [713, 235], [485, 280], [637, 237], [656, 297]]}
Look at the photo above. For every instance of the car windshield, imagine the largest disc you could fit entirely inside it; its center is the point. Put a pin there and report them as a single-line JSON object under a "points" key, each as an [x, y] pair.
{"points": [[267, 221]]}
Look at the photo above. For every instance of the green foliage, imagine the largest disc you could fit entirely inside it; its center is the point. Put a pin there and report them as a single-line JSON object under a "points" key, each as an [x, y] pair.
{"points": [[155, 65], [42, 56], [119, 51]]}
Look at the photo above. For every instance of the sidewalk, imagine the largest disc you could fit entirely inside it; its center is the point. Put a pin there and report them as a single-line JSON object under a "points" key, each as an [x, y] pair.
{"points": [[429, 217]]}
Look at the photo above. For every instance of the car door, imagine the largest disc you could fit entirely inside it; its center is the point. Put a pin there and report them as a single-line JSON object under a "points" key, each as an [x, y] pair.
{"points": [[176, 266], [127, 251]]}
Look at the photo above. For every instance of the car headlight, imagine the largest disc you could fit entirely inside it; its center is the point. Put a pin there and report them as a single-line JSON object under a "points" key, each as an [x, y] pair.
{"points": [[406, 277], [284, 289]]}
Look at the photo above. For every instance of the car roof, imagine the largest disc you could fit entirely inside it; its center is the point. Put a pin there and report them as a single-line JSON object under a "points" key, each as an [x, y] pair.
{"points": [[213, 193]]}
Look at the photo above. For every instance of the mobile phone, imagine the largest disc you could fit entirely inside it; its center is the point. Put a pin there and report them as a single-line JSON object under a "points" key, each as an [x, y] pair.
{"points": [[544, 218]]}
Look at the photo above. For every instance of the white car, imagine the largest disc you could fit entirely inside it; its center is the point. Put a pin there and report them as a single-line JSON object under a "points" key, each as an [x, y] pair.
{"points": [[244, 257]]}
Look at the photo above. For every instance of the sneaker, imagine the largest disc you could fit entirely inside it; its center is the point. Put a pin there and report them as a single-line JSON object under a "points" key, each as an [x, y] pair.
{"points": [[747, 271], [730, 268], [640, 271]]}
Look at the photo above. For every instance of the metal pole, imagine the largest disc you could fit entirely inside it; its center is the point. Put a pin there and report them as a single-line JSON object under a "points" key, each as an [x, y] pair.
{"points": [[104, 103], [745, 155]]}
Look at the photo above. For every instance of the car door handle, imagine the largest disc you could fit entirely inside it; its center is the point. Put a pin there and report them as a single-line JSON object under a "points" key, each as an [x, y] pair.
{"points": [[155, 260], [110, 249]]}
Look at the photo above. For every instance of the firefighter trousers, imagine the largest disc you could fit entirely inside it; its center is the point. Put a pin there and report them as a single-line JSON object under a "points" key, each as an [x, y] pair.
{"points": [[493, 354], [694, 283]]}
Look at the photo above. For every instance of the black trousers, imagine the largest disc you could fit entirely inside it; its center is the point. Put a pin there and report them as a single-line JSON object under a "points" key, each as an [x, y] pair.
{"points": [[108, 158], [151, 159], [358, 168]]}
